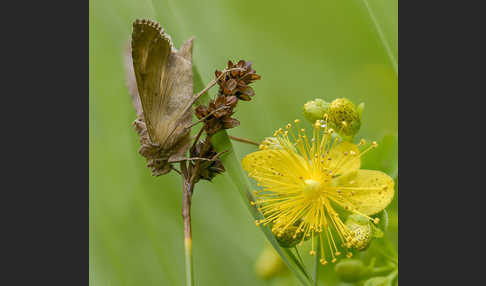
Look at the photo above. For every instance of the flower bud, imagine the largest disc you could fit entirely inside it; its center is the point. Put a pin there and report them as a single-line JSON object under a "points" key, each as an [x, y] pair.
{"points": [[288, 237], [361, 231], [269, 263], [315, 109], [378, 281], [350, 270], [344, 117]]}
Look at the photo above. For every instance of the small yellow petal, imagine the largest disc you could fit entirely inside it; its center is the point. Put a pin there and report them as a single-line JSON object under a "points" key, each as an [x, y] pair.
{"points": [[275, 167], [344, 158], [369, 191]]}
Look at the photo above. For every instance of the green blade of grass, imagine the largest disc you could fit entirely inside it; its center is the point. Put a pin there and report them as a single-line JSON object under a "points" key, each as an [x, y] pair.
{"points": [[382, 37], [239, 180]]}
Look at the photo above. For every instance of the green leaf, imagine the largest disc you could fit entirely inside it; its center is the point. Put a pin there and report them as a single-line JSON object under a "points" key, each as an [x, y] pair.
{"points": [[383, 158], [377, 233]]}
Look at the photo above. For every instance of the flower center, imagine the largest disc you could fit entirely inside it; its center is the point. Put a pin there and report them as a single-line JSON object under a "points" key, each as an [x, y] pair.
{"points": [[312, 189]]}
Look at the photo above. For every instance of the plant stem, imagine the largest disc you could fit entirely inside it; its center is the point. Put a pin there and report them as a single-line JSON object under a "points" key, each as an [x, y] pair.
{"points": [[298, 255], [188, 181], [244, 140], [186, 215], [316, 262]]}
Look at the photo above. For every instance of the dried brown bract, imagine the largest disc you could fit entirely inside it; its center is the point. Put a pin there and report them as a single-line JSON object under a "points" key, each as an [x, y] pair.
{"points": [[237, 82], [208, 169], [234, 84], [217, 114]]}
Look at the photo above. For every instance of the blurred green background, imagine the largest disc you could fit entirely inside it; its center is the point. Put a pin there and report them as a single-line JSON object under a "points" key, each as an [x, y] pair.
{"points": [[302, 50]]}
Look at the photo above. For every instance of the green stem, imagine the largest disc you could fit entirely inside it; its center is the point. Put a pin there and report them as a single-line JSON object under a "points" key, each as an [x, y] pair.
{"points": [[316, 262], [298, 255], [189, 268], [186, 215]]}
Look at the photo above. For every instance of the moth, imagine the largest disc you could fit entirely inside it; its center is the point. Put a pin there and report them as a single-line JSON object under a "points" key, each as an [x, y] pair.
{"points": [[161, 85]]}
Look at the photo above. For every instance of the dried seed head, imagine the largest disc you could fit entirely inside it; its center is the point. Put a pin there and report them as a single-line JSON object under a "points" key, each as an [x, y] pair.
{"points": [[217, 115], [236, 82]]}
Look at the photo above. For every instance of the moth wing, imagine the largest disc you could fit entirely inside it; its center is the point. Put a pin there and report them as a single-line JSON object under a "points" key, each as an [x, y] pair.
{"points": [[131, 82], [177, 93], [151, 49]]}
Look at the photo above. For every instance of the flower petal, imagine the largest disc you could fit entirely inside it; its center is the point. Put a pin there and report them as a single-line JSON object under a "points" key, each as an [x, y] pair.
{"points": [[344, 158], [275, 168], [368, 191]]}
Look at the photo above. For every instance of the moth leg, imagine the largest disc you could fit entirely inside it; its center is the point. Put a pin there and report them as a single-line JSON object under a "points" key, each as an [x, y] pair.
{"points": [[177, 159], [172, 168], [181, 159], [219, 154], [196, 139]]}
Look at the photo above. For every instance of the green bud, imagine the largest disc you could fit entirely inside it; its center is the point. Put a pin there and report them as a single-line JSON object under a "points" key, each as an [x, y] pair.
{"points": [[378, 281], [344, 117], [288, 237], [315, 109], [362, 231], [269, 264], [360, 109], [350, 270], [358, 219]]}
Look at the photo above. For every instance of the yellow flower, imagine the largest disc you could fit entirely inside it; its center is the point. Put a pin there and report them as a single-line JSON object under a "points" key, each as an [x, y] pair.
{"points": [[302, 184]]}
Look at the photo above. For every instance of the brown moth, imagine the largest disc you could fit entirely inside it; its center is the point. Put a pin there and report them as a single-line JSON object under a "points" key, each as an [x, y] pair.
{"points": [[164, 90]]}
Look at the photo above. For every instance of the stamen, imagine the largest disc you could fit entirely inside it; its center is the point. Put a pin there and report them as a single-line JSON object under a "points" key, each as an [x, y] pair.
{"points": [[312, 252], [321, 244]]}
